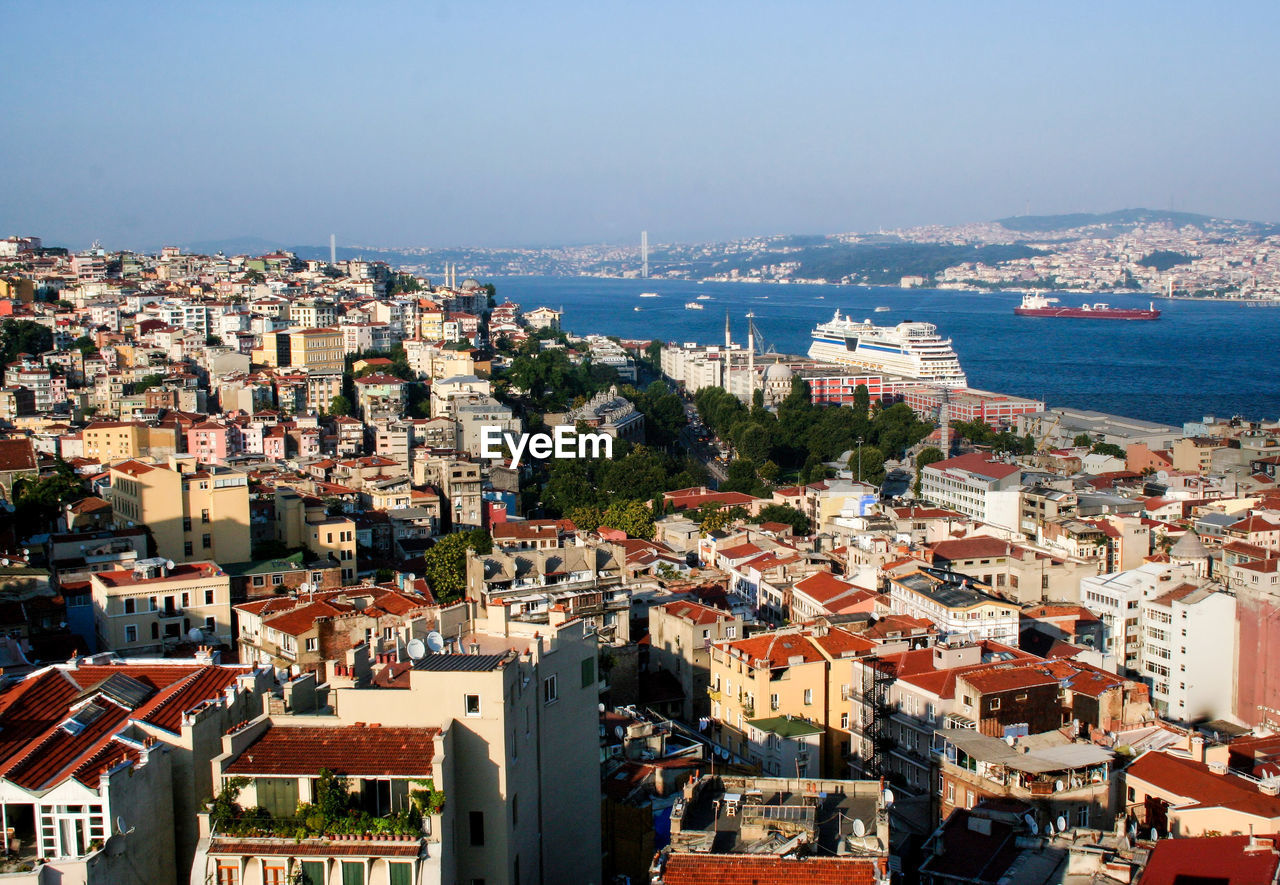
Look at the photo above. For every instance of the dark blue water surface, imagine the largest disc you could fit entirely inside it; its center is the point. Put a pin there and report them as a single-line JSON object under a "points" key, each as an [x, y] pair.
{"points": [[1200, 358]]}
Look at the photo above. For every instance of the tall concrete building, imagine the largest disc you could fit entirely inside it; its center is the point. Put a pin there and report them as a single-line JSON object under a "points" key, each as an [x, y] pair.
{"points": [[194, 512]]}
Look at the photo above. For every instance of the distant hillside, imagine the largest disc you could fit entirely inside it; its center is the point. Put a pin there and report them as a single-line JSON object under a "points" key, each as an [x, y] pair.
{"points": [[262, 246], [1123, 217]]}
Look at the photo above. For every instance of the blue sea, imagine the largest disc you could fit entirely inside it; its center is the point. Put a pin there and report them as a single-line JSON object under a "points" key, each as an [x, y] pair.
{"points": [[1200, 358]]}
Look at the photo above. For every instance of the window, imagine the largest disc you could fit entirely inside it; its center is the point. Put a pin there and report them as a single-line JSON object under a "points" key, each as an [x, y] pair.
{"points": [[808, 695], [187, 548], [204, 516], [588, 672], [131, 633], [273, 875], [277, 580], [353, 872], [228, 875], [208, 597], [844, 720], [473, 704], [210, 623], [130, 606], [206, 541], [186, 523], [477, 827], [995, 704], [258, 581], [313, 643], [773, 702], [515, 810], [550, 691], [401, 873]]}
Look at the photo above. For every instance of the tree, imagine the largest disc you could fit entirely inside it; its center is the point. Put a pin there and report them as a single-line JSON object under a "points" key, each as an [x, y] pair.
{"points": [[36, 500], [23, 336], [783, 513], [711, 518], [1106, 448], [1082, 439], [340, 405], [147, 382], [213, 341], [869, 466], [633, 517], [861, 400], [446, 566], [84, 344]]}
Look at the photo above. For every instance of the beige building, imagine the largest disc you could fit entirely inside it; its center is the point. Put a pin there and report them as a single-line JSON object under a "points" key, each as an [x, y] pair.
{"points": [[110, 441], [458, 481], [193, 513], [303, 522], [680, 638], [500, 731], [152, 607], [803, 673], [1195, 454], [316, 350]]}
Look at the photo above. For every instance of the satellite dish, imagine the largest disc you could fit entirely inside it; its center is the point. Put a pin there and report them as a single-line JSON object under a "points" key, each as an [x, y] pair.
{"points": [[195, 634], [859, 828], [1031, 824], [619, 732], [435, 642], [600, 707], [304, 587], [282, 674], [122, 827], [1133, 830], [1154, 835], [888, 798], [169, 564], [417, 649], [1057, 785], [1062, 824], [4, 561]]}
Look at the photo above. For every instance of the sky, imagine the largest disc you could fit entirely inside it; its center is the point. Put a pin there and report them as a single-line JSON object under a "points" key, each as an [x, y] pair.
{"points": [[490, 123]]}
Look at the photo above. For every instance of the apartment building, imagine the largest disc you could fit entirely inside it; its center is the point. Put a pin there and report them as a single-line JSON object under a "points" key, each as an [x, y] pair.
{"points": [[804, 673], [303, 522], [1117, 599], [955, 605], [977, 486], [193, 513], [105, 762], [680, 638], [1189, 651], [1024, 574], [152, 606], [499, 733], [459, 482]]}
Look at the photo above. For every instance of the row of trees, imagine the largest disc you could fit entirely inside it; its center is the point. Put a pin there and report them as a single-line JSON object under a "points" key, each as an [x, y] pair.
{"points": [[801, 436]]}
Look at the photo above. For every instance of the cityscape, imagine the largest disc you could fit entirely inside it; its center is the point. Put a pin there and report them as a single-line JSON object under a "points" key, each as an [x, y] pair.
{"points": [[830, 443]]}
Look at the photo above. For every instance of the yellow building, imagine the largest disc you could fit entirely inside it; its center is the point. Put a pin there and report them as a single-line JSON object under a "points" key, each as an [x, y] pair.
{"points": [[1195, 454], [109, 441], [152, 606], [315, 350], [806, 674], [194, 514], [303, 522], [18, 289]]}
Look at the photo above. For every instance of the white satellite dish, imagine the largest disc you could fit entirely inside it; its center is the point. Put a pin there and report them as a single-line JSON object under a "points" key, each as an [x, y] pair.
{"points": [[888, 798], [619, 732], [4, 561], [859, 828], [1057, 785], [195, 634], [1062, 824], [169, 564], [600, 707], [1154, 835], [410, 578], [435, 642], [417, 649], [304, 587]]}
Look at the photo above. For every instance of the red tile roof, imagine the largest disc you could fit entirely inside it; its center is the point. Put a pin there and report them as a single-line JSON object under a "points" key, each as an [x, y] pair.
{"points": [[353, 751], [764, 869], [1193, 781], [1221, 860], [824, 587], [978, 464], [17, 454], [977, 547], [696, 613]]}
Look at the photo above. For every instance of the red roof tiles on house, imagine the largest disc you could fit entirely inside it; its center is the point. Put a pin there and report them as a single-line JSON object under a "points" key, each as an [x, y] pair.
{"points": [[765, 869], [353, 751]]}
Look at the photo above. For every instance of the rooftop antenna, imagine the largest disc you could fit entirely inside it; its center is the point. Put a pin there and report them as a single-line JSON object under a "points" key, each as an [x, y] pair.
{"points": [[644, 254]]}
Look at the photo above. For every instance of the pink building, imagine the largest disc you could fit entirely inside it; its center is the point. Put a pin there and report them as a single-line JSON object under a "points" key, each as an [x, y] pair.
{"points": [[212, 442]]}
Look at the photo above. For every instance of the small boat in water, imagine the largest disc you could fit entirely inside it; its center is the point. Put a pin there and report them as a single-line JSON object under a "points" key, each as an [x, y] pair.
{"points": [[692, 305], [648, 294], [703, 298], [637, 307], [882, 310]]}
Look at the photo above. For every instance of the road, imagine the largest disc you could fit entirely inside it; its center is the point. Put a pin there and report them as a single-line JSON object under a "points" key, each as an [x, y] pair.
{"points": [[702, 449]]}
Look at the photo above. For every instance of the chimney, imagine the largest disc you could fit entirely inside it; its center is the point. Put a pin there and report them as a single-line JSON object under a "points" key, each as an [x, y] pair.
{"points": [[1197, 747]]}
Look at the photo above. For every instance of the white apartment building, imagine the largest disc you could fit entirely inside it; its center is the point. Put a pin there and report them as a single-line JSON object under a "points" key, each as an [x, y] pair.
{"points": [[972, 484], [1117, 599], [1189, 651], [955, 606]]}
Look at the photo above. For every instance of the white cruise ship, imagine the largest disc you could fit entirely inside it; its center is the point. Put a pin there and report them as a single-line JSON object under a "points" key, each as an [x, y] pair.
{"points": [[909, 350]]}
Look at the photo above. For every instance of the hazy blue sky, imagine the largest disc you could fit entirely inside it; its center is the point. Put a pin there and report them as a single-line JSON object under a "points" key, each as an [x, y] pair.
{"points": [[495, 123]]}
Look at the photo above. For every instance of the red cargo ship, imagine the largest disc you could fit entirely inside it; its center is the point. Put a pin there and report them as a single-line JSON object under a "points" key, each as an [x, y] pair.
{"points": [[1040, 306]]}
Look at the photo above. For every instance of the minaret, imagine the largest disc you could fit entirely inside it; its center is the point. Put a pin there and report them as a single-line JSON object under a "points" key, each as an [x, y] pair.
{"points": [[728, 338], [751, 363]]}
